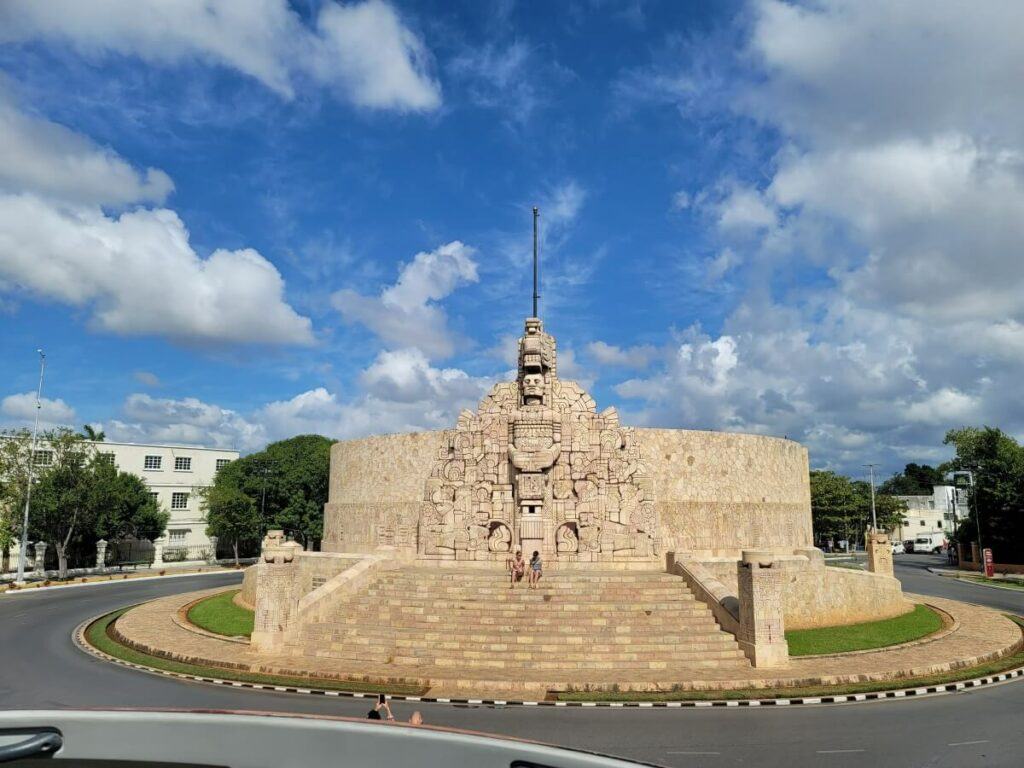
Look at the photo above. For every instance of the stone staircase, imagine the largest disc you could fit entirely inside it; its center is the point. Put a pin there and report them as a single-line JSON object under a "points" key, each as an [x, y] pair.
{"points": [[597, 628]]}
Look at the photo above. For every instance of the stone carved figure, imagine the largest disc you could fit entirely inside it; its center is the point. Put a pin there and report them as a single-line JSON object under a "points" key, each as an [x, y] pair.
{"points": [[537, 466]]}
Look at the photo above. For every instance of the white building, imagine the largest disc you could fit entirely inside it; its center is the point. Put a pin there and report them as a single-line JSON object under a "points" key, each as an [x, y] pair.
{"points": [[174, 474], [938, 513]]}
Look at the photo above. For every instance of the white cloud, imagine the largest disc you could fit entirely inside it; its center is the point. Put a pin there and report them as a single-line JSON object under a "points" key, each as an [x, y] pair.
{"points": [[186, 421], [498, 77], [371, 56], [146, 377], [135, 273], [407, 314], [362, 49], [39, 156], [628, 357], [138, 274], [20, 409], [885, 298]]}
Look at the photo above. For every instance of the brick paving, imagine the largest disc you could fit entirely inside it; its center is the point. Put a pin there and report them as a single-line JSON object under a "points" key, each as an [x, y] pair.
{"points": [[977, 635]]}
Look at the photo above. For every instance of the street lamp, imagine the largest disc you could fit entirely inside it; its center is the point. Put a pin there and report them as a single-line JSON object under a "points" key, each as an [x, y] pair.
{"points": [[31, 468], [874, 519]]}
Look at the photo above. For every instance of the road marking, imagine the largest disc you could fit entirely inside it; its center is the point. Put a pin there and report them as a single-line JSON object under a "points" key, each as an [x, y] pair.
{"points": [[693, 753], [838, 751], [966, 743]]}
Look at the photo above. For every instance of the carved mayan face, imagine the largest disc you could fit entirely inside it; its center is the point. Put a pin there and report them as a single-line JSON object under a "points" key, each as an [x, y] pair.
{"points": [[533, 387]]}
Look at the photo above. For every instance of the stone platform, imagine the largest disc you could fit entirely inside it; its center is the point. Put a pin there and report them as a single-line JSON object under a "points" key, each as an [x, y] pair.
{"points": [[464, 633]]}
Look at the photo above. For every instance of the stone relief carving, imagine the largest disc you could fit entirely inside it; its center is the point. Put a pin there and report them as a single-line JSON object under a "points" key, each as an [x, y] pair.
{"points": [[536, 466]]}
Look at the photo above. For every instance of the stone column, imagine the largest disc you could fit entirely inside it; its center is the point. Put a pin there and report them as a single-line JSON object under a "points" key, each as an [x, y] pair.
{"points": [[212, 557], [39, 560], [101, 554], [158, 552], [276, 576], [761, 635], [976, 557], [879, 553]]}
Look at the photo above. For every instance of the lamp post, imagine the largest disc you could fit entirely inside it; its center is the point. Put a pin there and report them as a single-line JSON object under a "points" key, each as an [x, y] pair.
{"points": [[874, 519], [31, 468], [977, 511]]}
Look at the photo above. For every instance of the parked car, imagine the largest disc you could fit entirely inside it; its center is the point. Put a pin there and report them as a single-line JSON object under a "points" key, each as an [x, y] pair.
{"points": [[898, 548]]}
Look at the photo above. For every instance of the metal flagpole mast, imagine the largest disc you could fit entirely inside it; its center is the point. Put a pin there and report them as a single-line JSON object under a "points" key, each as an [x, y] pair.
{"points": [[536, 215], [31, 468]]}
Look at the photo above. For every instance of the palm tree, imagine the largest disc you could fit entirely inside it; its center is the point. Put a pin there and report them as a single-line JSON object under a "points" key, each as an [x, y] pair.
{"points": [[89, 432]]}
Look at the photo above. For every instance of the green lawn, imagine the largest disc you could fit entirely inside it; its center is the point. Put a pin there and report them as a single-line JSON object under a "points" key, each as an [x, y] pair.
{"points": [[920, 622], [96, 635], [220, 615], [1004, 583]]}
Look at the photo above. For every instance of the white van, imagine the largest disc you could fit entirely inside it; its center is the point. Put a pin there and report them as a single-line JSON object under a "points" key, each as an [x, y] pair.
{"points": [[930, 542]]}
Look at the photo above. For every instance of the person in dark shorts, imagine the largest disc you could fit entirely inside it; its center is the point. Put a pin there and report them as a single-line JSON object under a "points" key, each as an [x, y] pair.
{"points": [[536, 570]]}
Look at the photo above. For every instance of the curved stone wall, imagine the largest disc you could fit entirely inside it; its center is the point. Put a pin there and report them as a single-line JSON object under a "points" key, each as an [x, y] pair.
{"points": [[716, 492], [721, 492]]}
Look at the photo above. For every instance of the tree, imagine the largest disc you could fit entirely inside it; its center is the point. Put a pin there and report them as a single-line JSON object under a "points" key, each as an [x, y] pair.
{"points": [[914, 480], [61, 510], [89, 432], [231, 516], [833, 503], [997, 500], [123, 504], [15, 450], [841, 507], [288, 479]]}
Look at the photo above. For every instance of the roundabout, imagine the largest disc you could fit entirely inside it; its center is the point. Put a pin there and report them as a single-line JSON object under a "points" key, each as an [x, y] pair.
{"points": [[975, 726], [972, 643]]}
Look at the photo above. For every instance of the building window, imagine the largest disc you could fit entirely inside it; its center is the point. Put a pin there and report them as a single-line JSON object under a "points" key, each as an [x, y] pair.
{"points": [[106, 458], [939, 523], [922, 523], [151, 462], [183, 463], [179, 501], [221, 463], [177, 536], [43, 458]]}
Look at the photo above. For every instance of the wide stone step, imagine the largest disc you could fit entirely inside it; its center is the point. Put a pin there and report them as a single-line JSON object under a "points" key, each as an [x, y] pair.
{"points": [[549, 579], [441, 604], [549, 663], [369, 635], [599, 651], [530, 596], [517, 623]]}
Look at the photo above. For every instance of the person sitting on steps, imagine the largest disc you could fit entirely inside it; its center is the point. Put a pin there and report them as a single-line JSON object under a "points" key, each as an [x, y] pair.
{"points": [[516, 568], [536, 570]]}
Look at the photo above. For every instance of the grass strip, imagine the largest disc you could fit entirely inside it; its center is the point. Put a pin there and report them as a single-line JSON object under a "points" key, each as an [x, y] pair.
{"points": [[954, 676], [96, 635], [918, 623], [1003, 583], [220, 615]]}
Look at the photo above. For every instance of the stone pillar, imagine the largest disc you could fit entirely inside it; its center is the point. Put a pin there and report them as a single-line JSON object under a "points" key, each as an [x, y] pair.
{"points": [[212, 557], [158, 552], [879, 553], [761, 635], [101, 554], [39, 559], [976, 557], [276, 577]]}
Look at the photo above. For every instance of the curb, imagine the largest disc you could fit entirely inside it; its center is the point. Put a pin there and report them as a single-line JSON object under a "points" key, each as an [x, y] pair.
{"points": [[969, 580], [78, 637], [34, 590]]}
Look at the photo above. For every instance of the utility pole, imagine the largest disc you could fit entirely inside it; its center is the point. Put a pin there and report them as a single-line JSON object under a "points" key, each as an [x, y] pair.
{"points": [[31, 468], [874, 519], [536, 216]]}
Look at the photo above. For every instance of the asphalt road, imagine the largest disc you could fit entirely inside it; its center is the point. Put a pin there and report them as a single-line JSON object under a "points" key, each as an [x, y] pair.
{"points": [[40, 668]]}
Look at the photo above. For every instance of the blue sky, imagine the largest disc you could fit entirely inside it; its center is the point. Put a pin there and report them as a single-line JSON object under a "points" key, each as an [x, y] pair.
{"points": [[231, 223]]}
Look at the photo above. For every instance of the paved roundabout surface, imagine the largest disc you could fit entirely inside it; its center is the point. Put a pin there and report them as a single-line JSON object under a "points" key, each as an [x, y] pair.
{"points": [[42, 669]]}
